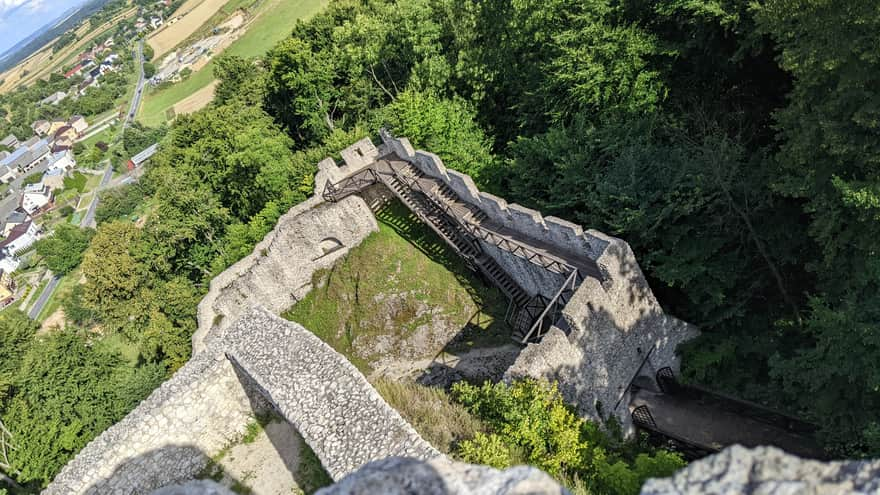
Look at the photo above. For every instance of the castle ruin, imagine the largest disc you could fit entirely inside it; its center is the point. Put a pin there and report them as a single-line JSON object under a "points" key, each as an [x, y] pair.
{"points": [[579, 303]]}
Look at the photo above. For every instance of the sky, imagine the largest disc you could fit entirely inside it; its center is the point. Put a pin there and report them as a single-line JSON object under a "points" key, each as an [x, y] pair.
{"points": [[20, 18]]}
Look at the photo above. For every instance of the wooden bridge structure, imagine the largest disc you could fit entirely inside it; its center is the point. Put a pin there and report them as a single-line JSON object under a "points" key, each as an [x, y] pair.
{"points": [[464, 227]]}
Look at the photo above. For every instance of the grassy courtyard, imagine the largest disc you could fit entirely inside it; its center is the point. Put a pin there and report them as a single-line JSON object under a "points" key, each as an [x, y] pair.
{"points": [[401, 291]]}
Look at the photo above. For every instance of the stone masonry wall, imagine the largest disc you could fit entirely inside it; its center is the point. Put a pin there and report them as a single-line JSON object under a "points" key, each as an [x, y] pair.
{"points": [[617, 326], [168, 437], [260, 361], [567, 236], [311, 236], [734, 471], [338, 413], [615, 321]]}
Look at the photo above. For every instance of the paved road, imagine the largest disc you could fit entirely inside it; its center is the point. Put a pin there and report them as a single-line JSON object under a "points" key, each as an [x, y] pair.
{"points": [[44, 297], [139, 90], [89, 219]]}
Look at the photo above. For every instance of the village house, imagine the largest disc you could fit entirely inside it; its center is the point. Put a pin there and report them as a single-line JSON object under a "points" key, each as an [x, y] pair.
{"points": [[36, 198], [41, 127], [54, 178], [64, 138], [10, 142], [7, 288], [14, 219], [79, 124], [143, 156], [7, 174], [20, 238], [74, 71], [25, 157], [63, 160], [86, 84], [56, 124]]}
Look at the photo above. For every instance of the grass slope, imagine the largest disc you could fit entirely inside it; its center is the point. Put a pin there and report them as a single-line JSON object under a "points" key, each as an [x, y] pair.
{"points": [[272, 24], [381, 288]]}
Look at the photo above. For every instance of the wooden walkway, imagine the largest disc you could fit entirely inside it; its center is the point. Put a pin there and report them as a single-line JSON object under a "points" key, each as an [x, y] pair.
{"points": [[545, 254]]}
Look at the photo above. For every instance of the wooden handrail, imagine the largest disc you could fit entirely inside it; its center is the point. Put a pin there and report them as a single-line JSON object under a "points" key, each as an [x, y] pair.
{"points": [[536, 326]]}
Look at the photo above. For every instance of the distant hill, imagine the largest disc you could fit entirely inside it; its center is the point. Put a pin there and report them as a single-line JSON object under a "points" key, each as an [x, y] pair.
{"points": [[66, 21]]}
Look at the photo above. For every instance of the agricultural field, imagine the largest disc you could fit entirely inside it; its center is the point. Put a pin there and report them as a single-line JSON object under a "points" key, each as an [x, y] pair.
{"points": [[269, 24], [171, 35], [41, 64], [196, 101]]}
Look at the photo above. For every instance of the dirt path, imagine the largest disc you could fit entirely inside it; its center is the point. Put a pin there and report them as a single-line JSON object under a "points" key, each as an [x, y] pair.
{"points": [[267, 464], [55, 320]]}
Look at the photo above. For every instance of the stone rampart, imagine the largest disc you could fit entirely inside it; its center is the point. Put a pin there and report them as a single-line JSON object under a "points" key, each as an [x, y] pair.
{"points": [[338, 413], [168, 437], [310, 237], [734, 471], [259, 363], [618, 329], [565, 235]]}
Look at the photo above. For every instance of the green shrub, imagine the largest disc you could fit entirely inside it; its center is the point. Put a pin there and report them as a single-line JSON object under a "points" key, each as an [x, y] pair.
{"points": [[531, 424]]}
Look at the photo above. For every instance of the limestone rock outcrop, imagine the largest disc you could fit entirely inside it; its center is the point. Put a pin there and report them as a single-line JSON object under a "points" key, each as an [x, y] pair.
{"points": [[734, 471], [401, 476], [768, 470]]}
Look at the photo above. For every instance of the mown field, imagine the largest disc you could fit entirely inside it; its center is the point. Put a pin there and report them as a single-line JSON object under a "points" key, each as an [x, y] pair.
{"points": [[166, 38], [272, 23]]}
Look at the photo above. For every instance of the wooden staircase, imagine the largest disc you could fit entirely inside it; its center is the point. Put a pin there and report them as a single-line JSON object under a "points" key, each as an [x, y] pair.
{"points": [[404, 183]]}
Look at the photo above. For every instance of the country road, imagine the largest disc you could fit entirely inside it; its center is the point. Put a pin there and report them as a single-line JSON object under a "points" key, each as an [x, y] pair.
{"points": [[44, 297], [139, 90], [89, 218]]}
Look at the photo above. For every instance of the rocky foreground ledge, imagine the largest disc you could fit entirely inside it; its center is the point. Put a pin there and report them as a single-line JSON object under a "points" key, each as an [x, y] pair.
{"points": [[736, 470]]}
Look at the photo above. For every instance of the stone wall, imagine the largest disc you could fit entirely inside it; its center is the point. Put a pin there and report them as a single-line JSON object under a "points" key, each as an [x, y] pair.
{"points": [[311, 236], [766, 470], [615, 321], [734, 471], [617, 329], [168, 437], [338, 413], [260, 362]]}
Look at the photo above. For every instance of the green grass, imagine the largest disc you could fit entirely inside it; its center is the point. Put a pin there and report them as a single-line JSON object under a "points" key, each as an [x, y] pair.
{"points": [[396, 280], [257, 426], [65, 285], [77, 182], [106, 136], [273, 24], [233, 5], [439, 420]]}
